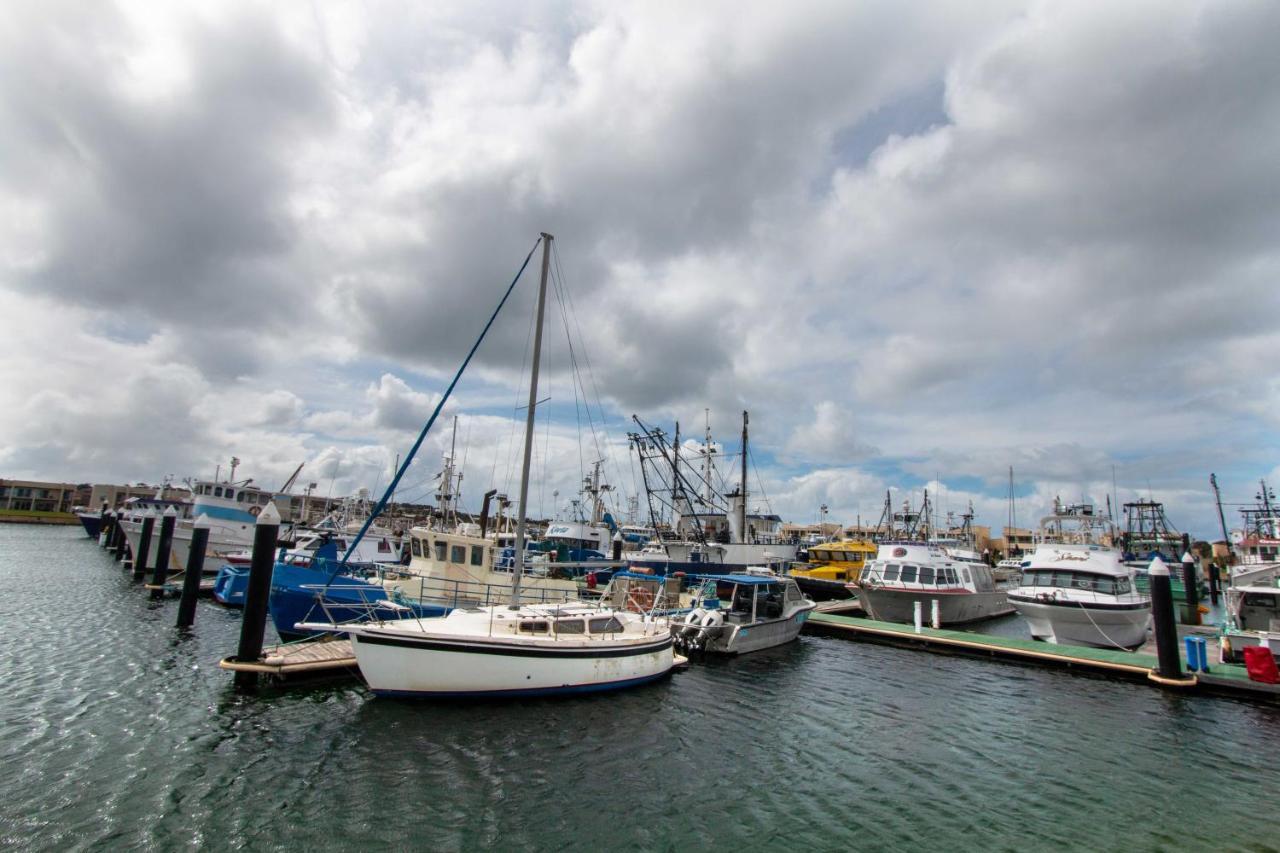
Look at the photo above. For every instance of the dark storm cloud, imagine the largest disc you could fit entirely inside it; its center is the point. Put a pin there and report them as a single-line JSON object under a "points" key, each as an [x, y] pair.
{"points": [[169, 205]]}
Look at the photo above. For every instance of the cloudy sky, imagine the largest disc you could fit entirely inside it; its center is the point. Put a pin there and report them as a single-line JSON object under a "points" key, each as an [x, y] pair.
{"points": [[920, 244]]}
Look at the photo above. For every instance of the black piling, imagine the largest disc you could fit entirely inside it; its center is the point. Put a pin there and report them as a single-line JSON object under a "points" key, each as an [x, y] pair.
{"points": [[144, 547], [254, 622], [118, 540], [1213, 583], [163, 552], [195, 569], [617, 546], [1170, 664], [1191, 615], [104, 529]]}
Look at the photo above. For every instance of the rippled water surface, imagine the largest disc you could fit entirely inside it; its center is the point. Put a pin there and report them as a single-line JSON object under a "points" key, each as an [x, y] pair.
{"points": [[117, 731]]}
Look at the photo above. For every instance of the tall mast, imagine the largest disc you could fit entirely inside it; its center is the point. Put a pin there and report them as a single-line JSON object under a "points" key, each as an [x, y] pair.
{"points": [[528, 425], [742, 507], [707, 464]]}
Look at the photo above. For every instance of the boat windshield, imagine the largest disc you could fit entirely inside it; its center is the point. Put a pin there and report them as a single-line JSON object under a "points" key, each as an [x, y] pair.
{"points": [[1089, 581]]}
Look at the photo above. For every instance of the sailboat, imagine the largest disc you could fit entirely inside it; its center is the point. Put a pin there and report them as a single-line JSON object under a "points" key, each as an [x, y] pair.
{"points": [[513, 649]]}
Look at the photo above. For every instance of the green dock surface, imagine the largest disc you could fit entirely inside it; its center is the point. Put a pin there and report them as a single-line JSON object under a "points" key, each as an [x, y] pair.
{"points": [[1227, 678]]}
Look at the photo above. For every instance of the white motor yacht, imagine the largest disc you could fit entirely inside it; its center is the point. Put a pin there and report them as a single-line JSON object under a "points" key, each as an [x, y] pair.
{"points": [[1078, 591]]}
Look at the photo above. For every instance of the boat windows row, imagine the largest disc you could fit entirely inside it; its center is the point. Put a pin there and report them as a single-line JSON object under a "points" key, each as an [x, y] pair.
{"points": [[446, 552], [598, 625], [230, 493], [1059, 579], [836, 556]]}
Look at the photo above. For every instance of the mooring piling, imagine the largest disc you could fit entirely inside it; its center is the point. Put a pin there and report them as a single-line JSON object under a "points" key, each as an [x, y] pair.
{"points": [[144, 546], [163, 553], [195, 570], [118, 540], [255, 598], [1192, 614], [1212, 570], [1169, 664]]}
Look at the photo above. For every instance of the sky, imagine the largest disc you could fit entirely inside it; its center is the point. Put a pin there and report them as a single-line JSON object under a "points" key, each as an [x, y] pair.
{"points": [[920, 244]]}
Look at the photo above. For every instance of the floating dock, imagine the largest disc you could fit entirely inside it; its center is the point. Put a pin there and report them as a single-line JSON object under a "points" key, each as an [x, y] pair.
{"points": [[1136, 666], [308, 658]]}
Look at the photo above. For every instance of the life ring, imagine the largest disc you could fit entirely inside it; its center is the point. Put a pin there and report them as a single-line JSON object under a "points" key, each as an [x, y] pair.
{"points": [[254, 510]]}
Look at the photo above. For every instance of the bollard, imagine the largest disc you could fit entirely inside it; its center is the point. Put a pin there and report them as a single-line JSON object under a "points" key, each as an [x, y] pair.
{"points": [[255, 597], [1170, 664], [935, 618], [163, 553], [1213, 583], [144, 546], [919, 615], [617, 546], [195, 569], [1191, 615]]}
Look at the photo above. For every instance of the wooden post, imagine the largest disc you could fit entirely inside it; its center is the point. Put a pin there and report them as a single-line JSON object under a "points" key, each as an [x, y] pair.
{"points": [[255, 597], [195, 568], [163, 552], [144, 546]]}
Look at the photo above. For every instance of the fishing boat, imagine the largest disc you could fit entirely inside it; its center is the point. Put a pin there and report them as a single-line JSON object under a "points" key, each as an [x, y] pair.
{"points": [[741, 613], [513, 648], [1076, 588], [831, 567], [905, 574], [710, 533]]}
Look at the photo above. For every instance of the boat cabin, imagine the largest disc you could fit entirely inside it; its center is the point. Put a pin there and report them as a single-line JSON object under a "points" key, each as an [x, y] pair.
{"points": [[926, 567], [753, 598]]}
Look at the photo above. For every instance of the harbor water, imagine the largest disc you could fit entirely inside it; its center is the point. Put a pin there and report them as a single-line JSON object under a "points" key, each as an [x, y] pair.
{"points": [[117, 731]]}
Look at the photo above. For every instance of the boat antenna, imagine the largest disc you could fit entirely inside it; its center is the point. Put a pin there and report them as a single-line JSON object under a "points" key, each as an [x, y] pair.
{"points": [[528, 426], [404, 466]]}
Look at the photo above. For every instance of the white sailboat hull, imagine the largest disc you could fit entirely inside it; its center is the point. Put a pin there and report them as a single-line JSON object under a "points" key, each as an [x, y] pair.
{"points": [[398, 665]]}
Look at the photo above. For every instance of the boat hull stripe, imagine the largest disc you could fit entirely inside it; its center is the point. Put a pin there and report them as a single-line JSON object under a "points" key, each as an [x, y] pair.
{"points": [[510, 650]]}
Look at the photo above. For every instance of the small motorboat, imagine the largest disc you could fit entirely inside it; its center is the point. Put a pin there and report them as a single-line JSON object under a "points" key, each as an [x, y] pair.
{"points": [[740, 613]]}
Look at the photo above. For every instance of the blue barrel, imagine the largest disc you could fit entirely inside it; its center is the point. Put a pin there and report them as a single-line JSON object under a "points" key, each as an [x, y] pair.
{"points": [[1197, 654]]}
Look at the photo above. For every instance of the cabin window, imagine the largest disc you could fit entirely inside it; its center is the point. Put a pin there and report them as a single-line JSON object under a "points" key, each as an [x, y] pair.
{"points": [[477, 557], [908, 574], [570, 626], [241, 497], [533, 626], [793, 592], [606, 625], [442, 550], [964, 573], [264, 498], [458, 554], [891, 572], [1259, 599], [950, 576], [1122, 586], [217, 492], [926, 575], [820, 556], [416, 545]]}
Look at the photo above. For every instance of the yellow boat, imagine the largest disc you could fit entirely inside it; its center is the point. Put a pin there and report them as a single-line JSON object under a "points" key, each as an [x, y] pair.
{"points": [[831, 567]]}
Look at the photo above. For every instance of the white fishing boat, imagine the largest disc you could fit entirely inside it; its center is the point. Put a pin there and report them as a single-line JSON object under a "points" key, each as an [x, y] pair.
{"points": [[905, 574], [508, 649], [1076, 589]]}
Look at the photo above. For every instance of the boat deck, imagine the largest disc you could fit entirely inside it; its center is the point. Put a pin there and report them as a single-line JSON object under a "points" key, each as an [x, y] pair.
{"points": [[1137, 666]]}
